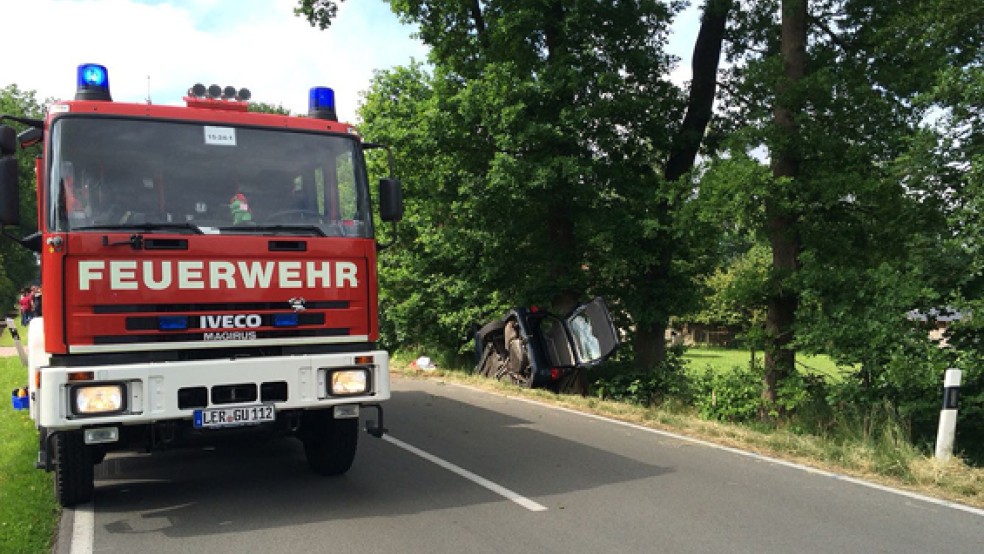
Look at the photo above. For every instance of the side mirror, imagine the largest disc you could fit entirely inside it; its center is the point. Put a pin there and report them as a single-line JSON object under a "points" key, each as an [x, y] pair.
{"points": [[30, 137], [9, 185], [8, 141], [9, 192], [390, 200]]}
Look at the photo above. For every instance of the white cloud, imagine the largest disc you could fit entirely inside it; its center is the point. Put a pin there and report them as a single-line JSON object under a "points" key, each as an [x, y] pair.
{"points": [[260, 45], [682, 38]]}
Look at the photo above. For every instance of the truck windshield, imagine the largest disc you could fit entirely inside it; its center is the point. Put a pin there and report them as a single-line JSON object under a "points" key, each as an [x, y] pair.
{"points": [[109, 173]]}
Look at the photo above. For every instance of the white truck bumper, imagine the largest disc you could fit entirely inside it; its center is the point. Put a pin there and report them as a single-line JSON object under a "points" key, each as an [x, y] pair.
{"points": [[154, 392]]}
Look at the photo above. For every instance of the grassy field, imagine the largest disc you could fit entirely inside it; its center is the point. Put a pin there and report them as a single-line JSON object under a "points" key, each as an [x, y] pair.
{"points": [[28, 511], [723, 359]]}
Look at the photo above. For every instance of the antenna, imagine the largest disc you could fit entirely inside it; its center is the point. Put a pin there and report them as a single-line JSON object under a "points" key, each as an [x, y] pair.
{"points": [[148, 89]]}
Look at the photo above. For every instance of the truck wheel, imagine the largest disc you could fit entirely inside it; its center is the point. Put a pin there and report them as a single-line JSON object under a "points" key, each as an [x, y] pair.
{"points": [[74, 472], [329, 443]]}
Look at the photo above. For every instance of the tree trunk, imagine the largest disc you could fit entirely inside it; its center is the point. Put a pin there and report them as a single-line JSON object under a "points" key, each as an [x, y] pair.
{"points": [[479, 19], [703, 87], [650, 345], [781, 217], [560, 222]]}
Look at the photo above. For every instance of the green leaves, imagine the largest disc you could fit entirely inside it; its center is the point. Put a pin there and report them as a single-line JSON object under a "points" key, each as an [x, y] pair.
{"points": [[319, 13], [17, 265], [521, 150]]}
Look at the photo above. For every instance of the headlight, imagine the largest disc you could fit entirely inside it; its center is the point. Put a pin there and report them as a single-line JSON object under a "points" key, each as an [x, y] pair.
{"points": [[97, 399], [347, 382]]}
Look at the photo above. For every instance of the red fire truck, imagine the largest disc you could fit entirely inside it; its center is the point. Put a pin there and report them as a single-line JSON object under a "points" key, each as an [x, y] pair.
{"points": [[207, 272]]}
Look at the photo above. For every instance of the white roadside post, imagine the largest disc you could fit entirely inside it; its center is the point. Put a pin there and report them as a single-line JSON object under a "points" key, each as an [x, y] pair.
{"points": [[948, 415]]}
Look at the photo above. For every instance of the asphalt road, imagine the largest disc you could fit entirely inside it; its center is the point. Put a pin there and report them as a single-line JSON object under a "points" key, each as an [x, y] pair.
{"points": [[470, 471]]}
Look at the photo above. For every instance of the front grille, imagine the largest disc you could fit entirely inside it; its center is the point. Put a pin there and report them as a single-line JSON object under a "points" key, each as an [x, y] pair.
{"points": [[192, 397], [151, 323], [224, 334], [236, 307], [234, 394], [197, 397], [273, 392], [210, 325]]}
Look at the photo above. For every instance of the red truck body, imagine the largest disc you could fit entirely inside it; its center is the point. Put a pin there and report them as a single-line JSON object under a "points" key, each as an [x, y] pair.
{"points": [[206, 271]]}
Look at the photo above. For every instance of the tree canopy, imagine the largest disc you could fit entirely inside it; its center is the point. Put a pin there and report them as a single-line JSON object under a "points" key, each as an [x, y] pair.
{"points": [[550, 130]]}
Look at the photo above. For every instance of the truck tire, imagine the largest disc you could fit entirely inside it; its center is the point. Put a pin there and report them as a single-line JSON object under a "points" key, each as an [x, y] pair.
{"points": [[329, 443], [74, 472]]}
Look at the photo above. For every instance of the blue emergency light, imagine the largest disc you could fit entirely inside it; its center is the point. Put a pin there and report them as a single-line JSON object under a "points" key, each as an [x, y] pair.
{"points": [[285, 320], [92, 83], [321, 103], [172, 323]]}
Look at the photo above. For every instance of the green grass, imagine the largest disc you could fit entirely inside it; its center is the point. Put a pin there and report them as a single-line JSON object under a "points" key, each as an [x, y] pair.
{"points": [[720, 360], [28, 511]]}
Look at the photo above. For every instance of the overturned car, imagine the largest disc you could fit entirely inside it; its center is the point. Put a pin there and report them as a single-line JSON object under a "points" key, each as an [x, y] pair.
{"points": [[536, 349]]}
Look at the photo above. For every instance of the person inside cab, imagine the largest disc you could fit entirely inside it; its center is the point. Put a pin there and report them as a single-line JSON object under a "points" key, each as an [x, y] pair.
{"points": [[146, 205]]}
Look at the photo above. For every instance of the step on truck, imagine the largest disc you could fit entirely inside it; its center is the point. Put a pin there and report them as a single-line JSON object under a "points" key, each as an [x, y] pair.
{"points": [[207, 272]]}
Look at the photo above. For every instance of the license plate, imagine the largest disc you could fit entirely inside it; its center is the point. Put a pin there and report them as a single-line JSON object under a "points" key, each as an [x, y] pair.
{"points": [[213, 418]]}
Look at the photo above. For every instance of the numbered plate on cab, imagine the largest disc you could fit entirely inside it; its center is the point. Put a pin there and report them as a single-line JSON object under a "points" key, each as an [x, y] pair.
{"points": [[234, 416]]}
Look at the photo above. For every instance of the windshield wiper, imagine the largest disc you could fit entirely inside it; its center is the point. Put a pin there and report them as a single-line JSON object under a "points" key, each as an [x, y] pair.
{"points": [[291, 229], [143, 227]]}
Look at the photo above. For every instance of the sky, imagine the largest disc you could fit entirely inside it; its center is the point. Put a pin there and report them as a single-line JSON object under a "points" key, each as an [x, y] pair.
{"points": [[160, 48]]}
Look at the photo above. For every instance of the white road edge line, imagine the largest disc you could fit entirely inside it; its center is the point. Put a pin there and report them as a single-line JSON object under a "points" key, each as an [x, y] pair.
{"points": [[777, 461], [82, 529], [83, 523], [498, 489]]}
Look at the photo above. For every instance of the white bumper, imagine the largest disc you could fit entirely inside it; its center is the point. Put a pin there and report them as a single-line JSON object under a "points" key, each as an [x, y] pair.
{"points": [[151, 389]]}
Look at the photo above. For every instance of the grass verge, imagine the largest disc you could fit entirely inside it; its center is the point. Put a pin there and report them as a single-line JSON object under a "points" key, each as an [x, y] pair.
{"points": [[28, 511], [899, 466]]}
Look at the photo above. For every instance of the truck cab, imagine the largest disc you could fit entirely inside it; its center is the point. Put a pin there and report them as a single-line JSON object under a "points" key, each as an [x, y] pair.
{"points": [[207, 271]]}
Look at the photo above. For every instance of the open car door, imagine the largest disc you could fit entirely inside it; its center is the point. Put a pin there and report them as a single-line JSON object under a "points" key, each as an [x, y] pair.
{"points": [[591, 332]]}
